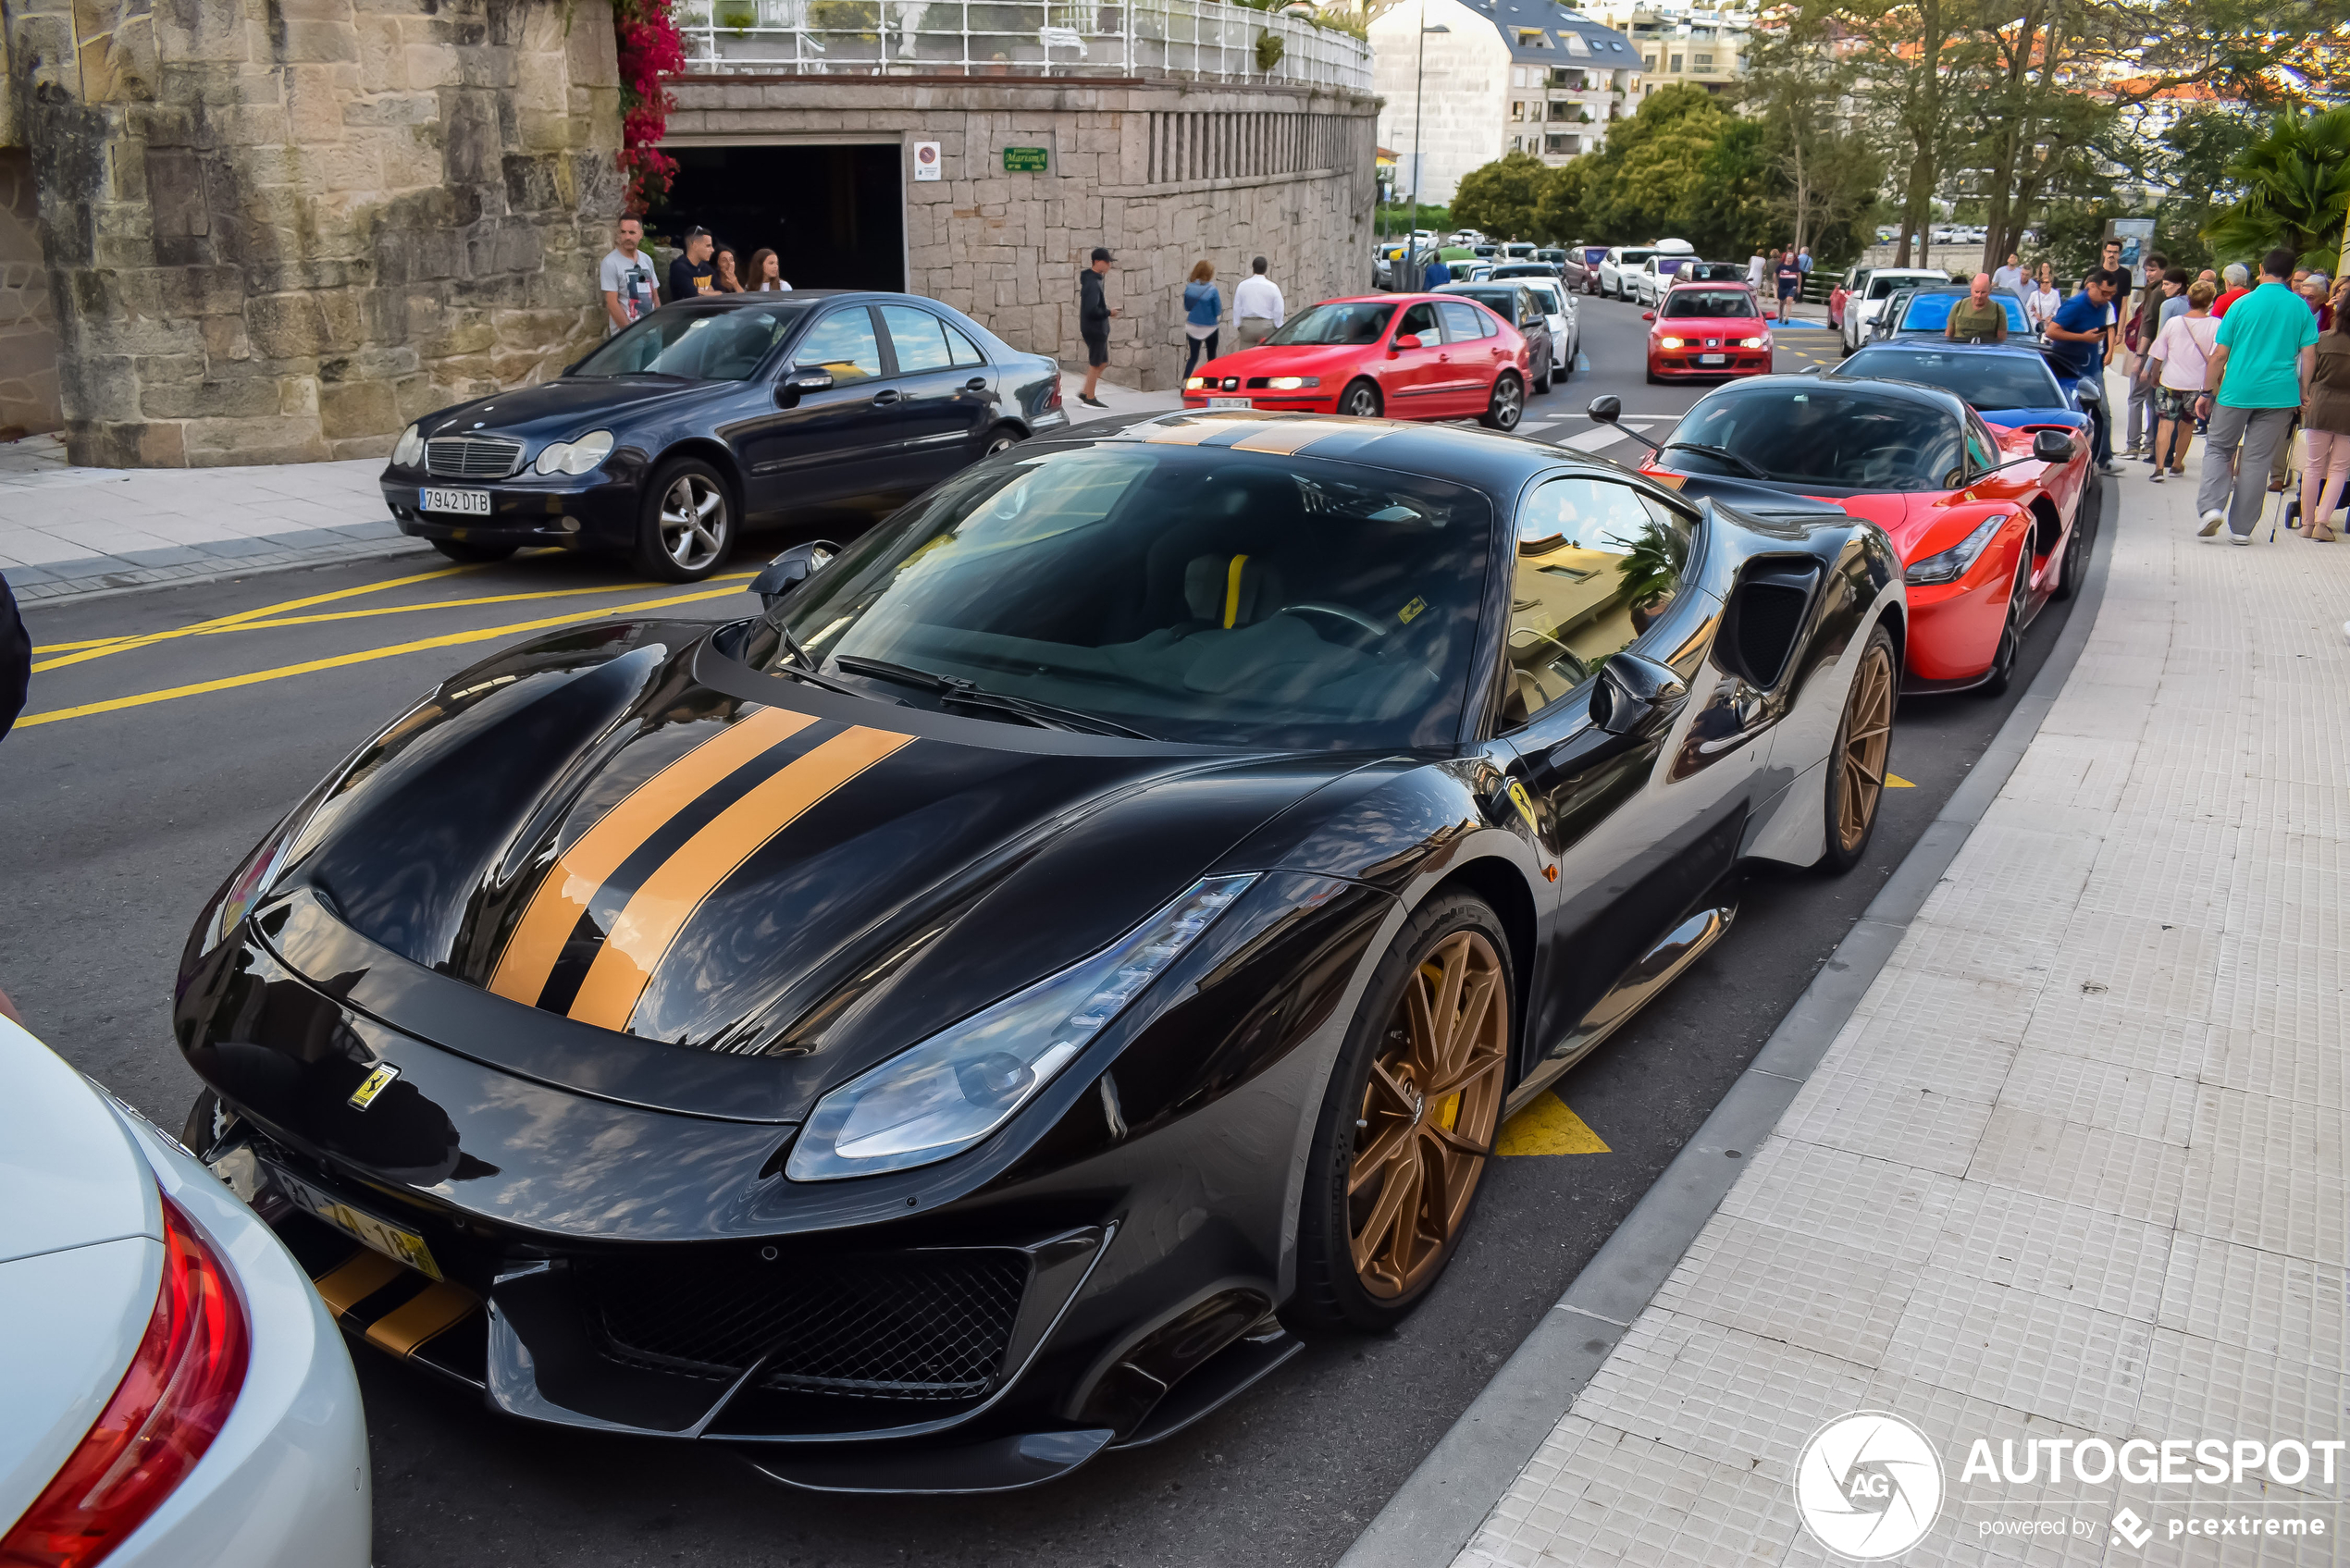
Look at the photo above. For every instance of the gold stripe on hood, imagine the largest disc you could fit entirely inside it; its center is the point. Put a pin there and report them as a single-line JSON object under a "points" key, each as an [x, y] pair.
{"points": [[660, 908], [571, 881]]}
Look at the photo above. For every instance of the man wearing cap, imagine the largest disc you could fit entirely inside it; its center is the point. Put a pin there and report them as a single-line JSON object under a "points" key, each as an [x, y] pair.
{"points": [[694, 272], [1093, 324]]}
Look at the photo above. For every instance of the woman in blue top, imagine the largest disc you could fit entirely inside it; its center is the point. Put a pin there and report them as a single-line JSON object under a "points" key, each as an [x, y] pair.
{"points": [[1203, 312]]}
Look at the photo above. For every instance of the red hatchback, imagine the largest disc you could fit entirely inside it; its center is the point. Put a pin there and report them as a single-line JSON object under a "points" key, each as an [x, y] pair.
{"points": [[1709, 330], [1404, 356]]}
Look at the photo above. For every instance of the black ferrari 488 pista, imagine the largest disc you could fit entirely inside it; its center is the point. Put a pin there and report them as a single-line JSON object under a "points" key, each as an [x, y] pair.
{"points": [[971, 1015]]}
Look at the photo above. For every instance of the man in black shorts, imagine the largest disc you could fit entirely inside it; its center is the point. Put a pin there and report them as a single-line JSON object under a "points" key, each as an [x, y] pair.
{"points": [[1093, 324]]}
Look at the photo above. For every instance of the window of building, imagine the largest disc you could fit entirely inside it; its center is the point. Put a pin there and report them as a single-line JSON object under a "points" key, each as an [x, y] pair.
{"points": [[1647, 62], [1533, 38], [1577, 44], [1556, 143], [1517, 110], [1563, 110], [1703, 59], [1675, 65]]}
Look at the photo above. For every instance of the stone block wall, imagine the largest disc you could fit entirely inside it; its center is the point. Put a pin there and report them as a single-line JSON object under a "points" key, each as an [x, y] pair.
{"points": [[1163, 173], [280, 229], [27, 324]]}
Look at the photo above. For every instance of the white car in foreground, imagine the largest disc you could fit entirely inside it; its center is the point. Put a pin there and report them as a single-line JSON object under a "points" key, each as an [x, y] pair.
{"points": [[176, 1395]]}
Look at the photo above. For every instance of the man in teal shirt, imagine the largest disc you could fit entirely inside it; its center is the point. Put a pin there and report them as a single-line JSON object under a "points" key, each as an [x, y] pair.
{"points": [[2267, 343]]}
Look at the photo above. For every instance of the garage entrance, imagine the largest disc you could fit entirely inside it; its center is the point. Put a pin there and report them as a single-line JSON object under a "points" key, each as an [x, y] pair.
{"points": [[836, 215]]}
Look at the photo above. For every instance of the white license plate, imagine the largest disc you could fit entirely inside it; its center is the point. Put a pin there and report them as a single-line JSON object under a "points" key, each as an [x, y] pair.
{"points": [[1229, 402], [465, 503], [396, 1243], [1714, 359]]}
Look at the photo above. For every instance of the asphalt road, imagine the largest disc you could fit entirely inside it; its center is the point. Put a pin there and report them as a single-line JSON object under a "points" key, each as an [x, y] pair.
{"points": [[167, 755]]}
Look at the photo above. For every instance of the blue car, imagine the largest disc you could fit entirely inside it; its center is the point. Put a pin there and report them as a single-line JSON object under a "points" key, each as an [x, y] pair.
{"points": [[1925, 313], [2011, 385]]}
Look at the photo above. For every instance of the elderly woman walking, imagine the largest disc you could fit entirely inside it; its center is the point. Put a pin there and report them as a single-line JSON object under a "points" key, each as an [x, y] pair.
{"points": [[1203, 314], [2180, 356]]}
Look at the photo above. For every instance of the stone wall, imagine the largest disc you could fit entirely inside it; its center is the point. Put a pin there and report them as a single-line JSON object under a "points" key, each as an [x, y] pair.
{"points": [[1164, 173], [27, 324], [279, 230]]}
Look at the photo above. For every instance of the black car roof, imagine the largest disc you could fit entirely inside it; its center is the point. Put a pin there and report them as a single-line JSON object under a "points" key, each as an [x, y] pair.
{"points": [[1911, 391], [1483, 459]]}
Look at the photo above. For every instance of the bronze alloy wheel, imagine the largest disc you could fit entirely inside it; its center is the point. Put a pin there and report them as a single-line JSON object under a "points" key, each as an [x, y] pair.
{"points": [[1868, 735], [1430, 1111]]}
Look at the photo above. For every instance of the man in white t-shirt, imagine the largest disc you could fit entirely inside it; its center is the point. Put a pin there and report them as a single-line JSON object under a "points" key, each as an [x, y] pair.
{"points": [[1754, 264], [1256, 306], [2010, 275], [626, 274]]}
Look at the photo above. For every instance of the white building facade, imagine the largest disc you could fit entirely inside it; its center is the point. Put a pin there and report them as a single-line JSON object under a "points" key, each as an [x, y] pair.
{"points": [[1508, 76]]}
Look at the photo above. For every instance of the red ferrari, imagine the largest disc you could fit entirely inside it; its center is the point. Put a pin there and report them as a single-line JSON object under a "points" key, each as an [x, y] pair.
{"points": [[1406, 356], [1990, 524], [1710, 330]]}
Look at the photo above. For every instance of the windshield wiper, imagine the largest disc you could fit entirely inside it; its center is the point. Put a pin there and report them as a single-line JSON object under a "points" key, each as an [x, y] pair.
{"points": [[955, 689], [1725, 453]]}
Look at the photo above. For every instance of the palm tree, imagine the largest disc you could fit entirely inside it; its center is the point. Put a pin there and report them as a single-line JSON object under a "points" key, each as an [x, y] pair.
{"points": [[2297, 183]]}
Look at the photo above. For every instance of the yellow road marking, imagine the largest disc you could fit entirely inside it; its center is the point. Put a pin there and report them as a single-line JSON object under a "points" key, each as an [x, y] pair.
{"points": [[447, 639], [1895, 780], [1548, 1127], [100, 648], [454, 604]]}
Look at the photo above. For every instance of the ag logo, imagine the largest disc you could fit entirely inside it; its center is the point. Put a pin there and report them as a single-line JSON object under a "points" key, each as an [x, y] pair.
{"points": [[372, 1085], [1868, 1485]]}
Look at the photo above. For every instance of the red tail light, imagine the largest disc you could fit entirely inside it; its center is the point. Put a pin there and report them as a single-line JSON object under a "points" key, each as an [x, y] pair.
{"points": [[172, 1402], [1054, 401]]}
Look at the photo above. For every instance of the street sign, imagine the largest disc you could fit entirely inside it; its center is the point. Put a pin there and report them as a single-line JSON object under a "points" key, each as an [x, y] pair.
{"points": [[1024, 160], [925, 160]]}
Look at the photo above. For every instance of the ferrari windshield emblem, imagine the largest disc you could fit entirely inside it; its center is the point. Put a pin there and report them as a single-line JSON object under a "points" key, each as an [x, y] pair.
{"points": [[372, 1085]]}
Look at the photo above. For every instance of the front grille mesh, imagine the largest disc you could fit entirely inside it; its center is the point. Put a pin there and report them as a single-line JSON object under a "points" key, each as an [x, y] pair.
{"points": [[915, 1326], [471, 457]]}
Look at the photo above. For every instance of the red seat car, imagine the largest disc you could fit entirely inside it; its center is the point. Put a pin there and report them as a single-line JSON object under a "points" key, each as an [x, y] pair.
{"points": [[1404, 356], [1709, 330]]}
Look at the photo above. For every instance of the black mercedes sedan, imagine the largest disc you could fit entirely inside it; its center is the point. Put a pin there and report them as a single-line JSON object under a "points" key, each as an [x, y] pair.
{"points": [[969, 1017], [715, 412]]}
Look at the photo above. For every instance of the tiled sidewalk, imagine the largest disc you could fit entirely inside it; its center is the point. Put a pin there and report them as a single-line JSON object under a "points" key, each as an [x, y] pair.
{"points": [[2076, 1166], [67, 530]]}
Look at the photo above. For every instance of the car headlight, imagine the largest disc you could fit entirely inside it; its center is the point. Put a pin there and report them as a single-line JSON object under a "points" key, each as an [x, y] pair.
{"points": [[1196, 383], [963, 1083], [1952, 563], [1668, 342], [409, 451], [1291, 383], [582, 456], [1752, 342]]}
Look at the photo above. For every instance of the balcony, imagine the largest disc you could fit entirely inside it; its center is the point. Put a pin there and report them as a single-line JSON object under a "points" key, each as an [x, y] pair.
{"points": [[1196, 40]]}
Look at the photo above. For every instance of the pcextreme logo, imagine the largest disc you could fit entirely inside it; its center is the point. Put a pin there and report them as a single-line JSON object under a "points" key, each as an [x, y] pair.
{"points": [[1868, 1485]]}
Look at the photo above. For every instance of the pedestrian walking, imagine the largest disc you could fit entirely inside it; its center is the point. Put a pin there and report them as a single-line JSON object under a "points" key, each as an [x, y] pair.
{"points": [[1258, 310], [1435, 274], [1754, 272], [1203, 313], [2182, 358], [725, 282], [1803, 263], [2259, 365], [693, 272], [2077, 334], [1094, 315], [2325, 422], [766, 273], [2237, 279], [1978, 318], [2041, 300], [626, 277], [2138, 337], [1790, 278], [2010, 275]]}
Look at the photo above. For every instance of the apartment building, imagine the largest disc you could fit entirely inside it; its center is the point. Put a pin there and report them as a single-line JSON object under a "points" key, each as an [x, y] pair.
{"points": [[1697, 41], [1501, 77]]}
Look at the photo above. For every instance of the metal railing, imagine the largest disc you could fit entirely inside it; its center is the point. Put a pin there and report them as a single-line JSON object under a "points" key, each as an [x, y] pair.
{"points": [[1203, 40]]}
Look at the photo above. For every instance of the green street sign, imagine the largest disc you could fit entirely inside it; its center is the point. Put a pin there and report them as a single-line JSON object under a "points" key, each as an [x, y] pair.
{"points": [[1023, 160]]}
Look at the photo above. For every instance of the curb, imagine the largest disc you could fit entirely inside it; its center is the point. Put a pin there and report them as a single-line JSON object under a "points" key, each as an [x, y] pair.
{"points": [[1433, 1516], [32, 596]]}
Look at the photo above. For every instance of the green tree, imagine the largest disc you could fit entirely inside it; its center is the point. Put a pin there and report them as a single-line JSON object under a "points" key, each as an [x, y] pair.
{"points": [[2296, 180], [1564, 212], [1651, 174], [1501, 199]]}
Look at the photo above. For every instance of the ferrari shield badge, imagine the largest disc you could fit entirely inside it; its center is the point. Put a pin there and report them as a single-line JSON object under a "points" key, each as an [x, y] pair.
{"points": [[372, 1085], [1525, 804]]}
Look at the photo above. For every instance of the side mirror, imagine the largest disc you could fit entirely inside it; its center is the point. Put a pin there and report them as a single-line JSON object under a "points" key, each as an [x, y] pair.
{"points": [[1648, 315], [793, 567], [795, 383], [1633, 693], [2051, 446], [2087, 392], [1405, 340], [1606, 409]]}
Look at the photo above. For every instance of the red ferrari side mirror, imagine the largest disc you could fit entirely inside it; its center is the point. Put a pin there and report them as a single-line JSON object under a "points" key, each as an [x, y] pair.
{"points": [[1648, 315], [1405, 340]]}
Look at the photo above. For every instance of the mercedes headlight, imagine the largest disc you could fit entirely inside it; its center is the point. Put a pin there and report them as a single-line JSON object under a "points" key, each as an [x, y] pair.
{"points": [[1291, 383], [582, 456], [410, 450], [1952, 563], [962, 1083]]}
